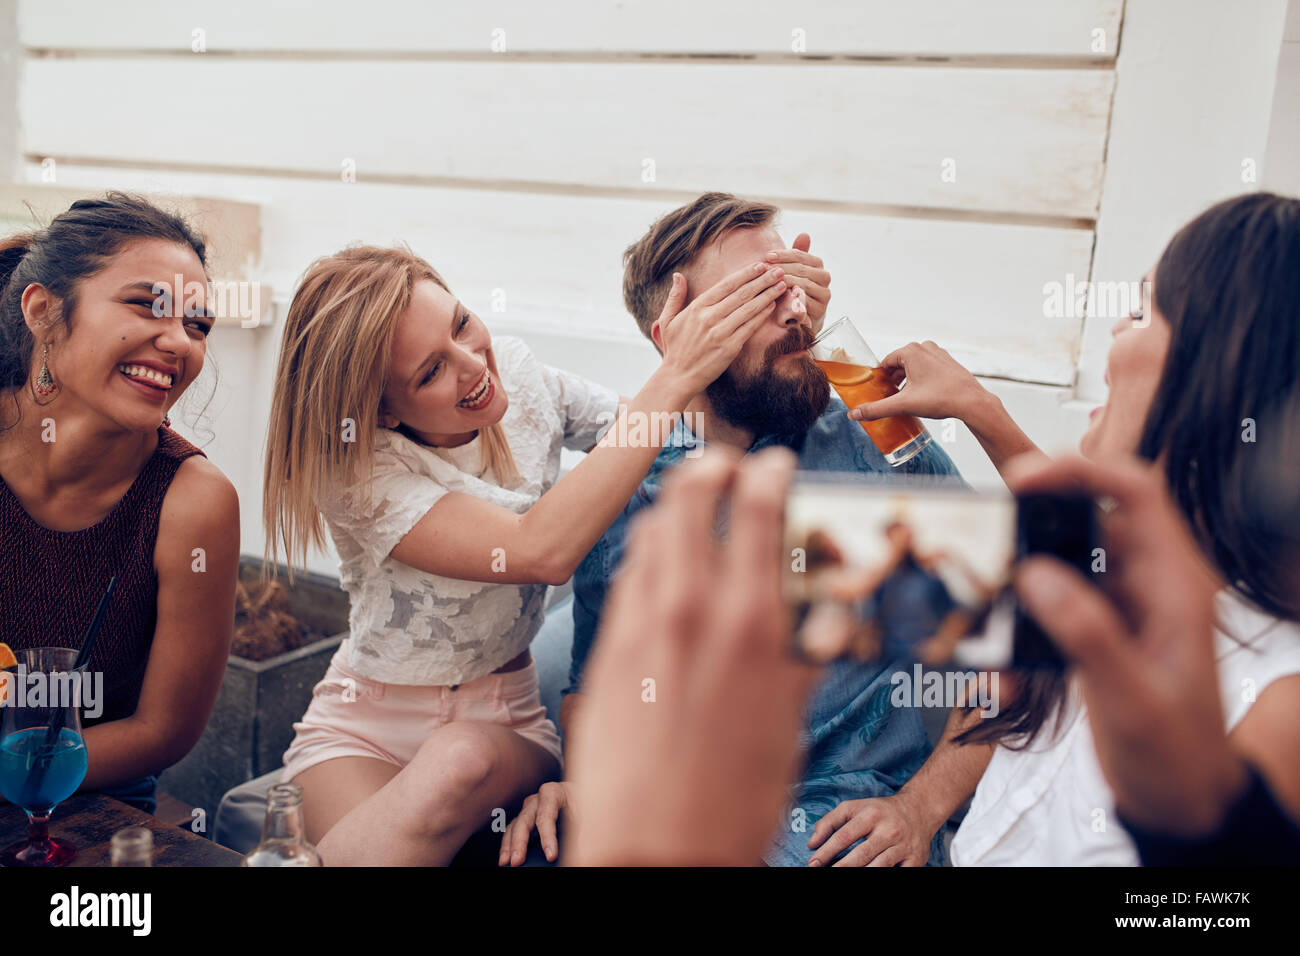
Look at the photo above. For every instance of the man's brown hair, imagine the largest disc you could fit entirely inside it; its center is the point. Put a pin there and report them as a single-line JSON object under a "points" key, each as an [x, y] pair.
{"points": [[672, 244]]}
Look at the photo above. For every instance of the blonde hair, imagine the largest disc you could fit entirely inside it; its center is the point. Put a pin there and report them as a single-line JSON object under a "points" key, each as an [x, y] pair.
{"points": [[329, 381]]}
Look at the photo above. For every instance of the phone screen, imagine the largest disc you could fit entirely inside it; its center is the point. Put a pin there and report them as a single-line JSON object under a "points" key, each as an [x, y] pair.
{"points": [[924, 575]]}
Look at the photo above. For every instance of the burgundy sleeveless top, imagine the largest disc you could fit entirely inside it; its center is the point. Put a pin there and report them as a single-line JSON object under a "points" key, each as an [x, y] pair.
{"points": [[51, 581]]}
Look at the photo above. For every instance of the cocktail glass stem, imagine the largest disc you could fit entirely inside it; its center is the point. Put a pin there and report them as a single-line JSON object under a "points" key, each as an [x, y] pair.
{"points": [[38, 832]]}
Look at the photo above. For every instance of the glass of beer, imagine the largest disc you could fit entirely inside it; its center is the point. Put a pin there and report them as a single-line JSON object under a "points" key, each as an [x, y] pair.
{"points": [[854, 370]]}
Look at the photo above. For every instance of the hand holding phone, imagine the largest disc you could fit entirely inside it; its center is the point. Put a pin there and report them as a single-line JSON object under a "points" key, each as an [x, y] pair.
{"points": [[925, 575]]}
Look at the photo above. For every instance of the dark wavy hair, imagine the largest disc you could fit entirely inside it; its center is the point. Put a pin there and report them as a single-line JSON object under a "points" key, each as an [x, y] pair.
{"points": [[1228, 283], [76, 245]]}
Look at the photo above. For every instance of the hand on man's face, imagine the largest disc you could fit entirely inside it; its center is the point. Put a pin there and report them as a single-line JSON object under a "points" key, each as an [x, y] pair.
{"points": [[808, 274]]}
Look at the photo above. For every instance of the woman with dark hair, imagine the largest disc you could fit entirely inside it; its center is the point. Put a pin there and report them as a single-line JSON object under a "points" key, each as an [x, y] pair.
{"points": [[1191, 380], [96, 346]]}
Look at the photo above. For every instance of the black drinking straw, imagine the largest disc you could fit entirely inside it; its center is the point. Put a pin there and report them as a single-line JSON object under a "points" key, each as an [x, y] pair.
{"points": [[83, 655]]}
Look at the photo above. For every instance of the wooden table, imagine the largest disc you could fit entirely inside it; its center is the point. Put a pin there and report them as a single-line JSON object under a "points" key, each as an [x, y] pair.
{"points": [[89, 820]]}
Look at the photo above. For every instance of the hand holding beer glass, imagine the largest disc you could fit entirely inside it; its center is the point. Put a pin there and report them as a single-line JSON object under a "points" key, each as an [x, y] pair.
{"points": [[842, 353]]}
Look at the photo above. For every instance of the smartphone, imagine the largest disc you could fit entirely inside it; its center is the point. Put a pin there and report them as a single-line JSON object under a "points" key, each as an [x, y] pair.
{"points": [[891, 573], [1064, 527]]}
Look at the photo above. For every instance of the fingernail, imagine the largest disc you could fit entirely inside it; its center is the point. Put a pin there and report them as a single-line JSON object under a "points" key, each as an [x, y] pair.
{"points": [[677, 277], [760, 266], [855, 415], [814, 862], [771, 256]]}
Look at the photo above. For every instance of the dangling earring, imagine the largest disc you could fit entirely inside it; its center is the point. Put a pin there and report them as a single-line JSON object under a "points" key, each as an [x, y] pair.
{"points": [[44, 381]]}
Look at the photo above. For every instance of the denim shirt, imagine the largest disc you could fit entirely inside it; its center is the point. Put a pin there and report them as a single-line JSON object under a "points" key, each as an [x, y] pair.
{"points": [[857, 744]]}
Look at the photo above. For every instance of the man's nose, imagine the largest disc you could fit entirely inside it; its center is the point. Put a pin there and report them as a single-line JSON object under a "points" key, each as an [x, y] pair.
{"points": [[791, 310]]}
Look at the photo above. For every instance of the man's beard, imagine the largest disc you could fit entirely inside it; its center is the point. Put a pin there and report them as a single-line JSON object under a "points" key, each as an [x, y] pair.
{"points": [[771, 401]]}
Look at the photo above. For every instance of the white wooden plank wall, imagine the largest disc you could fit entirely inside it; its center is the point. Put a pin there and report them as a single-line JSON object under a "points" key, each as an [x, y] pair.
{"points": [[947, 158]]}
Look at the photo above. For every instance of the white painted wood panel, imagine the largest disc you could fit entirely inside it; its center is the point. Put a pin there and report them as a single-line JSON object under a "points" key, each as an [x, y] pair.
{"points": [[860, 27], [1282, 162], [1191, 118], [554, 263], [1015, 141]]}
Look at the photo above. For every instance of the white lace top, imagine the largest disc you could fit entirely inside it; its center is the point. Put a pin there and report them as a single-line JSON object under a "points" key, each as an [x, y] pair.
{"points": [[410, 627]]}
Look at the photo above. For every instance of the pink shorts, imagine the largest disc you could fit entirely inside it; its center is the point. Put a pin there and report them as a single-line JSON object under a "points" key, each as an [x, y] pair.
{"points": [[353, 716]]}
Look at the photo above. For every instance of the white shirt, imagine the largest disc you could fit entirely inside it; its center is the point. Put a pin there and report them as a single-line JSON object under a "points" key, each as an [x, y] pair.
{"points": [[407, 626], [1050, 805]]}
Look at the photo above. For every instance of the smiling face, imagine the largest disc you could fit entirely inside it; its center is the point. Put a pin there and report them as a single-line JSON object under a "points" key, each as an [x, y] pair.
{"points": [[114, 355], [1133, 370], [442, 377], [773, 386]]}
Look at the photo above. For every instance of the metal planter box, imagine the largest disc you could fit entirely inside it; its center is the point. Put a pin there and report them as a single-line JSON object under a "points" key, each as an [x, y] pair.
{"points": [[252, 722]]}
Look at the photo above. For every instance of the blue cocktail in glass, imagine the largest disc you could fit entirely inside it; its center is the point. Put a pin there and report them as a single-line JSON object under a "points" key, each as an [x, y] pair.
{"points": [[42, 754]]}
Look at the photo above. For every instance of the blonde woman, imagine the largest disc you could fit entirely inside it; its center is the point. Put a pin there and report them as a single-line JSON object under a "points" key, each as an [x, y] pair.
{"points": [[431, 451]]}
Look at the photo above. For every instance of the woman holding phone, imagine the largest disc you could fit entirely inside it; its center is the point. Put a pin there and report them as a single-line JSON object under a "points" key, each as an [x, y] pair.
{"points": [[1192, 379]]}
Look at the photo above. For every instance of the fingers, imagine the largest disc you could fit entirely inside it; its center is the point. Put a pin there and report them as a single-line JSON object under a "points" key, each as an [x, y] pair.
{"points": [[688, 506], [751, 299], [808, 275], [914, 352], [548, 813], [632, 591], [752, 560], [740, 286], [514, 842], [798, 252], [741, 324], [849, 831], [829, 823], [897, 359], [1078, 617], [891, 856], [819, 293], [881, 408], [691, 495], [880, 838], [674, 303], [522, 831], [1145, 526], [798, 264], [503, 856], [804, 270]]}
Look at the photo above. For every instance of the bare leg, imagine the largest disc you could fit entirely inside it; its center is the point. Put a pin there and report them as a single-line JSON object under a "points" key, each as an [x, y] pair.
{"points": [[422, 814], [331, 789]]}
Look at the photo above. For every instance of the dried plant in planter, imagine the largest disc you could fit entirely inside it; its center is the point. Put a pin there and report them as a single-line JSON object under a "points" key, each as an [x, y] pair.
{"points": [[264, 627]]}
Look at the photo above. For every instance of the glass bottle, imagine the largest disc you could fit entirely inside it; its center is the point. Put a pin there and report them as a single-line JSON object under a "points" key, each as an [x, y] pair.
{"points": [[132, 846], [283, 836]]}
